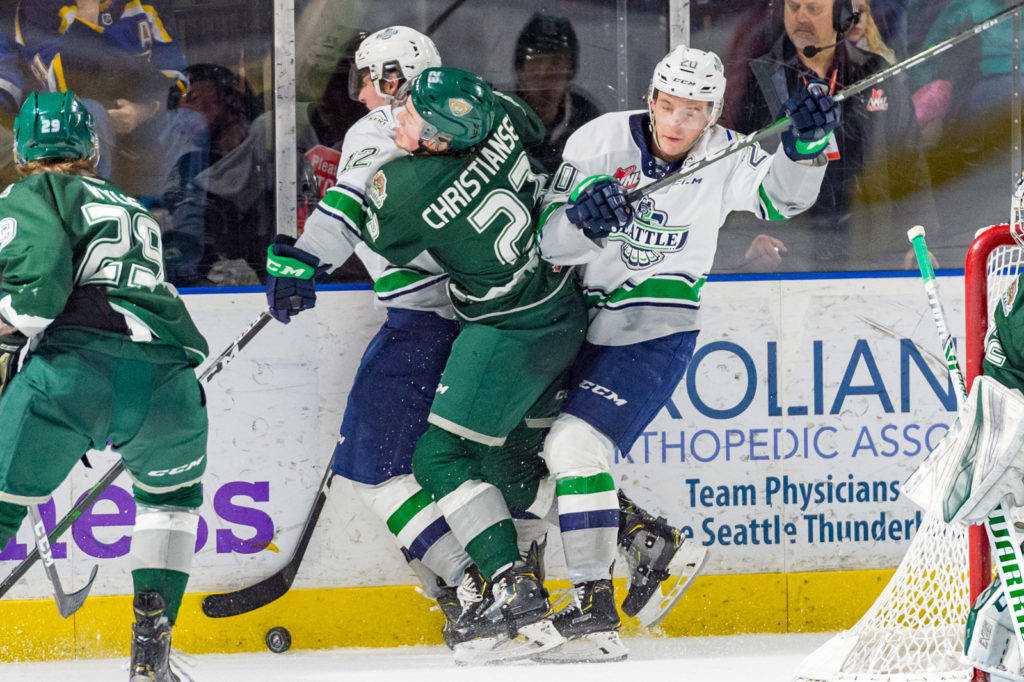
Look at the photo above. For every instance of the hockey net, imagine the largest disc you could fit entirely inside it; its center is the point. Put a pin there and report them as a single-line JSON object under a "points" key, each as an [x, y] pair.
{"points": [[914, 630]]}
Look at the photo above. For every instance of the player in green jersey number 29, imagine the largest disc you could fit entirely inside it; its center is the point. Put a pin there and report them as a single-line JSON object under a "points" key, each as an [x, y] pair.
{"points": [[111, 365]]}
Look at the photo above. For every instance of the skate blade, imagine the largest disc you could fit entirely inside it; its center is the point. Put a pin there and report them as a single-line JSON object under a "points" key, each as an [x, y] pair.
{"points": [[532, 639], [598, 647], [687, 563]]}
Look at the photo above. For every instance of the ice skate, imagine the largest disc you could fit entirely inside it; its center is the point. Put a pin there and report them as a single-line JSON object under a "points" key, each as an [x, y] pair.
{"points": [[590, 625], [514, 621], [655, 552], [474, 598], [448, 603], [151, 641]]}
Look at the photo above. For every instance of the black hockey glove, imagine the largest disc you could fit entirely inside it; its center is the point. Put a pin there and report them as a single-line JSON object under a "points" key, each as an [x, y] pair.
{"points": [[813, 115], [10, 349], [598, 206], [291, 285]]}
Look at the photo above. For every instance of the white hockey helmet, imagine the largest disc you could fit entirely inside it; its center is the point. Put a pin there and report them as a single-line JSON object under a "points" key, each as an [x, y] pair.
{"points": [[693, 74], [395, 52]]}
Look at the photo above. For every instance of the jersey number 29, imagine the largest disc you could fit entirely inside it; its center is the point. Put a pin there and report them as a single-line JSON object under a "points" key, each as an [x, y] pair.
{"points": [[106, 258]]}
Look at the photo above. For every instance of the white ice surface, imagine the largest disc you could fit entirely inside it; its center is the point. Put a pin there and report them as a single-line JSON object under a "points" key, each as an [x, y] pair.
{"points": [[760, 658]]}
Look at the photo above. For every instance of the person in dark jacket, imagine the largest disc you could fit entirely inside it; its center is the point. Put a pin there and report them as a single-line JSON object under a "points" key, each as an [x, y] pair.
{"points": [[877, 182], [547, 59]]}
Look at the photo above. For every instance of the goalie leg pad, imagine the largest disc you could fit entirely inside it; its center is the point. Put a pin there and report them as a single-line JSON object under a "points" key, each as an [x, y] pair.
{"points": [[979, 463], [417, 525], [579, 456], [990, 644]]}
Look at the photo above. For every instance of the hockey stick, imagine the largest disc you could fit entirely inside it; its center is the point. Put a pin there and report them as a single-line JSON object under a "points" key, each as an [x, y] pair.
{"points": [[67, 604], [1002, 535], [108, 478], [273, 587], [861, 85]]}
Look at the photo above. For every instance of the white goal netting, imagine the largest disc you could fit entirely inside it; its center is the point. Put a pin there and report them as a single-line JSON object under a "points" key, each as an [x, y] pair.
{"points": [[914, 631]]}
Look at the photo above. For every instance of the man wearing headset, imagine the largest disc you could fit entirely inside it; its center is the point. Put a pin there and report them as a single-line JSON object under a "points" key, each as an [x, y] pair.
{"points": [[879, 133]]}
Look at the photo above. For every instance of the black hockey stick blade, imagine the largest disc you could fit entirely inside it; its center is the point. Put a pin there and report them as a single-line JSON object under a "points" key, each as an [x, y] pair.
{"points": [[273, 587]]}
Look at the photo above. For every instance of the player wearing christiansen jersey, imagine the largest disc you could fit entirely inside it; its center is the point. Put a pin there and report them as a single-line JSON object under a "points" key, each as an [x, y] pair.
{"points": [[405, 358], [521, 320], [645, 267], [111, 365]]}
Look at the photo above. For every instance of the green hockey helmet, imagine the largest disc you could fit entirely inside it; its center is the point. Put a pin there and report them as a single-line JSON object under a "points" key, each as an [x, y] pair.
{"points": [[457, 106], [53, 125]]}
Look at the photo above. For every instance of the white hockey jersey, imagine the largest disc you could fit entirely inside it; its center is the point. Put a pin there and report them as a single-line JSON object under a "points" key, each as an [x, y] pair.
{"points": [[644, 282], [332, 232]]}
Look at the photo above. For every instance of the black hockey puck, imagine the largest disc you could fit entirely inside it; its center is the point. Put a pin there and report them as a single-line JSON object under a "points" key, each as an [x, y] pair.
{"points": [[279, 640]]}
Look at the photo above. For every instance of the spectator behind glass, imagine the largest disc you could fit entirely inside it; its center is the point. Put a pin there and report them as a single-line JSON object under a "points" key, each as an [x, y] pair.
{"points": [[970, 81], [865, 35], [119, 58], [230, 203], [211, 119], [546, 62], [879, 183], [11, 83]]}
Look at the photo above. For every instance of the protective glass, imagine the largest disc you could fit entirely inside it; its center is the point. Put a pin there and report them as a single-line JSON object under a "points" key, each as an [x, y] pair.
{"points": [[428, 133], [680, 113]]}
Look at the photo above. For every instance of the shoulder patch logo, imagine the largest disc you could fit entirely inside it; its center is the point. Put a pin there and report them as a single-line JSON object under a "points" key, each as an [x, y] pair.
{"points": [[378, 189], [628, 177], [1008, 296], [8, 230], [459, 107], [878, 101]]}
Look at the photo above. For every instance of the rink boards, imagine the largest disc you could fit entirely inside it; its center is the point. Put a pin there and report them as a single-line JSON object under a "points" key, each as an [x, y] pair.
{"points": [[809, 399]]}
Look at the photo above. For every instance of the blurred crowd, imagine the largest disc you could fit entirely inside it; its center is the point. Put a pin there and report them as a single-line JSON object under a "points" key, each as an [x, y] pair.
{"points": [[194, 136]]}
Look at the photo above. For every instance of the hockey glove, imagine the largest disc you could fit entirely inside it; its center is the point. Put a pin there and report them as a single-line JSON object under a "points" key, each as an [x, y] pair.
{"points": [[10, 349], [291, 287], [813, 115], [598, 206]]}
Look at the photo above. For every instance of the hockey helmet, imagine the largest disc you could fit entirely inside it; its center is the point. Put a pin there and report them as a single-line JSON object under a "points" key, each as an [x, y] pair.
{"points": [[547, 34], [693, 74], [457, 106], [395, 52], [54, 125]]}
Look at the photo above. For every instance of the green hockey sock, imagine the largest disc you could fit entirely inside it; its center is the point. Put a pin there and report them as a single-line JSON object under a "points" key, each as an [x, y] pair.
{"points": [[167, 583]]}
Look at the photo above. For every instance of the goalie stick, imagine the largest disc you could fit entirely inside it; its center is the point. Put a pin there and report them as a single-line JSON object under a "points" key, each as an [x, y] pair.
{"points": [[108, 478], [274, 586], [778, 126], [1002, 535]]}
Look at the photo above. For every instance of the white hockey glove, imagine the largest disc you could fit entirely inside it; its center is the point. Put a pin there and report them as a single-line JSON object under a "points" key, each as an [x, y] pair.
{"points": [[990, 644], [979, 464]]}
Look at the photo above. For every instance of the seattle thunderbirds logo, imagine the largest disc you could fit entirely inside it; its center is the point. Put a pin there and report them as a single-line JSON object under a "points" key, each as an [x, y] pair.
{"points": [[649, 237]]}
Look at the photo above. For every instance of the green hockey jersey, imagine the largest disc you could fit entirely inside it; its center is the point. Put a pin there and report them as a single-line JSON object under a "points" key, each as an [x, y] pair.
{"points": [[475, 214], [59, 232], [1004, 344]]}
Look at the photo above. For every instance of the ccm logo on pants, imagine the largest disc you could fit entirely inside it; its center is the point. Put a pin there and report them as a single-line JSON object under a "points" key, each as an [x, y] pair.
{"points": [[600, 390], [176, 470]]}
